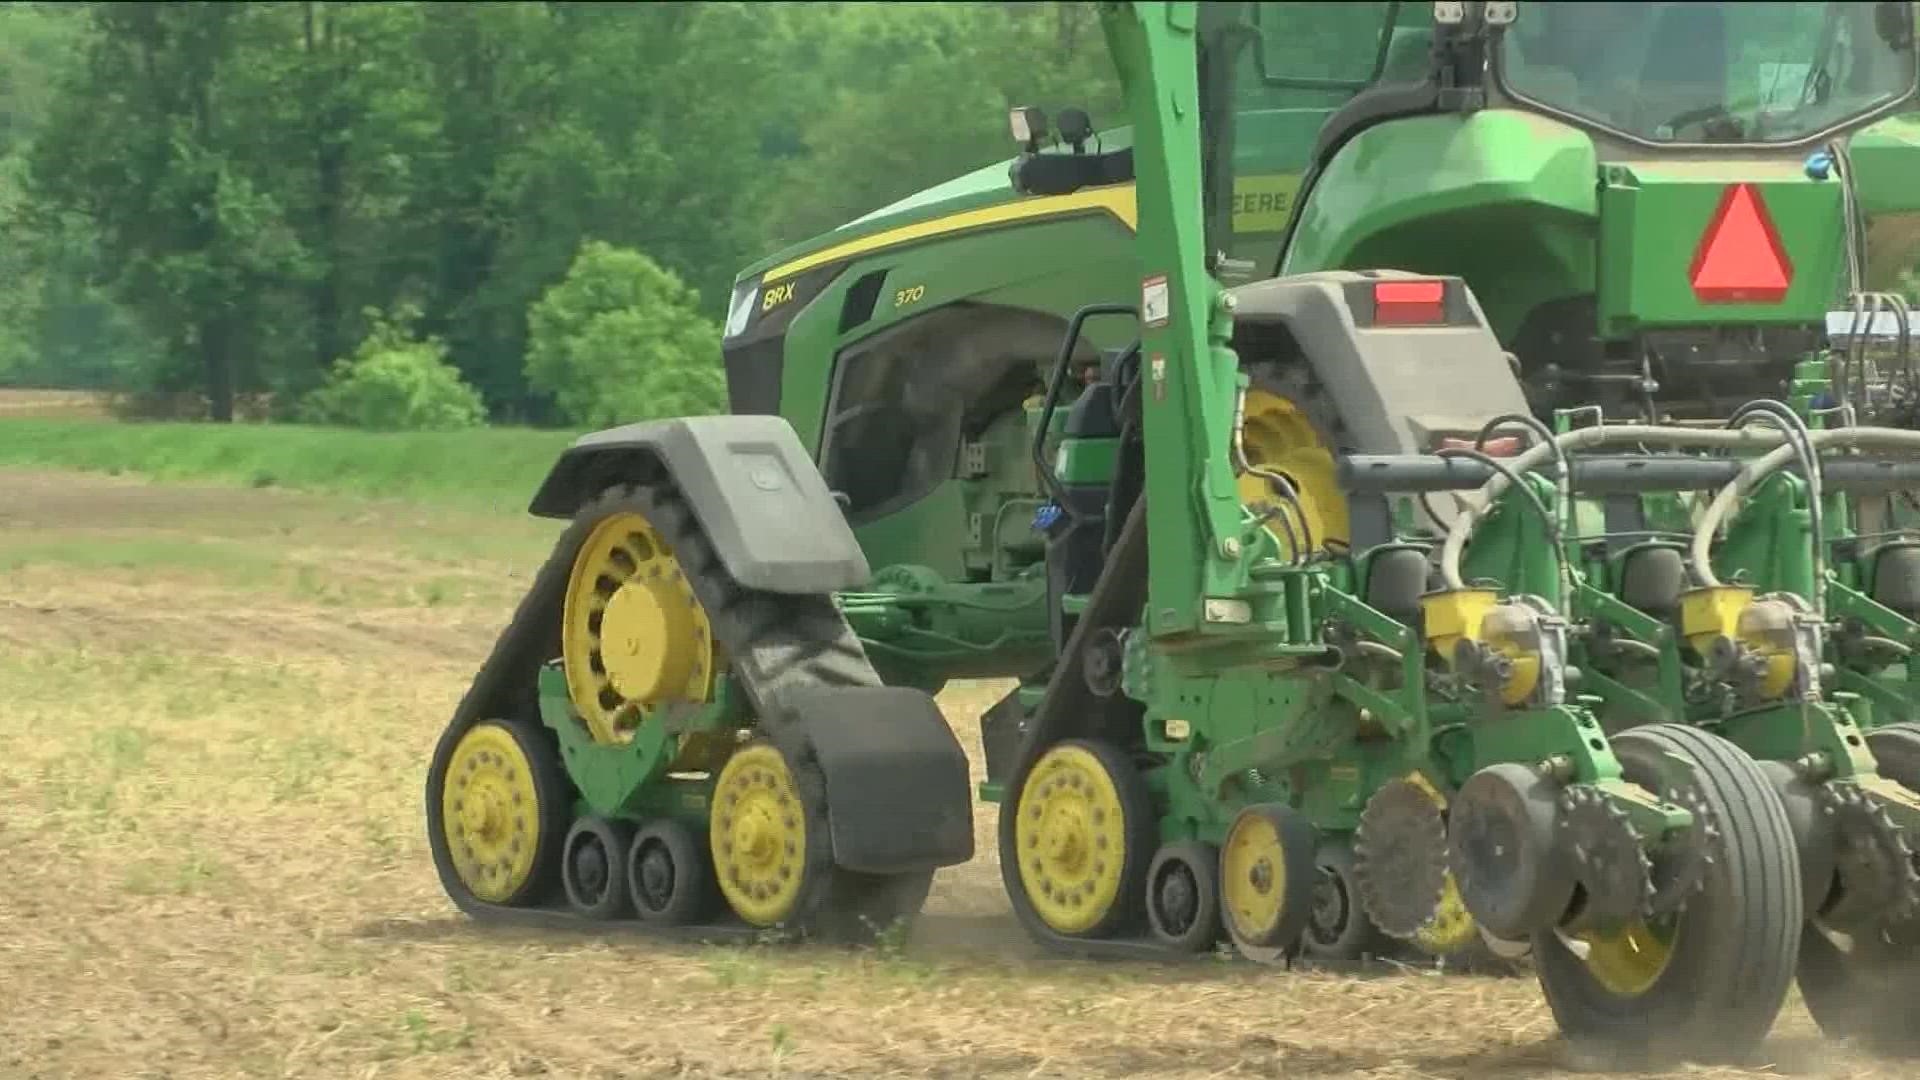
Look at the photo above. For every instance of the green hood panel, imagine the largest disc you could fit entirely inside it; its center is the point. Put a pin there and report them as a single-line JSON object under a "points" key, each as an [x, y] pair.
{"points": [[1501, 197]]}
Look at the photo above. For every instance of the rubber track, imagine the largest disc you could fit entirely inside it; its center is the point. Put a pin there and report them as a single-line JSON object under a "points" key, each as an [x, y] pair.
{"points": [[774, 643], [1116, 599]]}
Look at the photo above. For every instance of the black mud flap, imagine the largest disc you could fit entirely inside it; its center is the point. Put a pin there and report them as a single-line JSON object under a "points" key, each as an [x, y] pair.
{"points": [[898, 798]]}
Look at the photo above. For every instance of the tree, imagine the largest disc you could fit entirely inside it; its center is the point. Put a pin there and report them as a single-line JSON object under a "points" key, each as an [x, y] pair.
{"points": [[622, 340], [395, 381], [148, 142]]}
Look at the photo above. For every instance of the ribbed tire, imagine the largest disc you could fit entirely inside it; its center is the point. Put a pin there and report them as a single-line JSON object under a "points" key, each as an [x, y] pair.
{"points": [[1737, 939]]}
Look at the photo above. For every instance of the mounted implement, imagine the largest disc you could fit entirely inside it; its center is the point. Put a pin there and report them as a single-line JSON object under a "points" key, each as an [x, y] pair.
{"points": [[1335, 621]]}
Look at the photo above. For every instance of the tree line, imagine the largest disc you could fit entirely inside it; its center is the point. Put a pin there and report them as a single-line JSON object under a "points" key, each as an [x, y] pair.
{"points": [[236, 200]]}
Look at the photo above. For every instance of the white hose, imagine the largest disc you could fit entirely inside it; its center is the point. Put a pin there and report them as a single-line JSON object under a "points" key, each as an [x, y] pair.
{"points": [[1769, 463], [1534, 456]]}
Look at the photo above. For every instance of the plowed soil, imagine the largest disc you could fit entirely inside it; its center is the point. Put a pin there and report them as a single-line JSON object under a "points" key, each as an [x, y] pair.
{"points": [[216, 708]]}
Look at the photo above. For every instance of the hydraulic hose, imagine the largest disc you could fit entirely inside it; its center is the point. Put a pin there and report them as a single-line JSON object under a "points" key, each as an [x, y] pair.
{"points": [[1801, 439], [1562, 526], [1559, 446], [1301, 542], [1769, 463]]}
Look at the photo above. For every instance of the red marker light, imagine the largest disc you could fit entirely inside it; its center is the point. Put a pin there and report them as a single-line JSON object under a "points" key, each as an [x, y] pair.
{"points": [[1409, 303], [1500, 446], [1741, 260]]}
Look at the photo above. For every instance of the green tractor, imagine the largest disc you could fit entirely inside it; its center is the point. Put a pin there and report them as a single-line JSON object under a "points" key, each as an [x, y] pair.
{"points": [[1408, 471]]}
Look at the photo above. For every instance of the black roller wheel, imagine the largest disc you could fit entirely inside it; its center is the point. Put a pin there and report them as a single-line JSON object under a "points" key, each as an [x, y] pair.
{"points": [[669, 875], [593, 867], [1862, 986], [1183, 896], [1339, 933], [1707, 981]]}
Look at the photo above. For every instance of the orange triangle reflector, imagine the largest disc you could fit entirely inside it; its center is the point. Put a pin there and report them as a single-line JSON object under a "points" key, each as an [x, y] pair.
{"points": [[1741, 260]]}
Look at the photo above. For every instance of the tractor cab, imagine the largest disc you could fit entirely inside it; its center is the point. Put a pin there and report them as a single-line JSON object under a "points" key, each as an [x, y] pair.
{"points": [[1657, 200]]}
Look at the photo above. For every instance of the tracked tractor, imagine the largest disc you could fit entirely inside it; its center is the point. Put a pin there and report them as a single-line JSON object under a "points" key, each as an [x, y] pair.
{"points": [[1332, 616]]}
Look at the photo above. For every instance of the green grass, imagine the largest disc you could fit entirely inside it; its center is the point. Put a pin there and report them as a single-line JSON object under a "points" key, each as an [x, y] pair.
{"points": [[488, 468]]}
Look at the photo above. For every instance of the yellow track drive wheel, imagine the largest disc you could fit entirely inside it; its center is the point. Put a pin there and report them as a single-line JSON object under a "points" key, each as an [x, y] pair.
{"points": [[770, 848], [633, 635], [1267, 880], [1706, 982], [1084, 835], [1278, 437], [498, 807]]}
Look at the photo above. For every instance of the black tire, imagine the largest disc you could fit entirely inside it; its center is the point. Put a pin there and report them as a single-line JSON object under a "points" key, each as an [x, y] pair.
{"points": [[1188, 874], [870, 907], [1339, 933], [669, 879], [1867, 994], [1738, 938], [552, 791]]}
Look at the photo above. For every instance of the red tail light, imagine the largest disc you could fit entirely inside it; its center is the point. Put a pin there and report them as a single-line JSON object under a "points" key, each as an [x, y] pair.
{"points": [[1409, 303], [1499, 446]]}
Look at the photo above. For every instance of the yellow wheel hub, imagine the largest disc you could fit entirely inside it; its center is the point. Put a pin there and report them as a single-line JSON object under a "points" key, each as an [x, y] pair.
{"points": [[759, 835], [490, 812], [1253, 876], [634, 637], [1629, 962], [1072, 839], [1278, 438]]}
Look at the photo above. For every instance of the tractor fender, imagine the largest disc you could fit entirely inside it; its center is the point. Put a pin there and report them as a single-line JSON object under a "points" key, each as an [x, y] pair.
{"points": [[897, 783], [756, 493]]}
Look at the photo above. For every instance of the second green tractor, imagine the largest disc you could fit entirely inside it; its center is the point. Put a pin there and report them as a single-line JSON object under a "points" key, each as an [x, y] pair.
{"points": [[1437, 474]]}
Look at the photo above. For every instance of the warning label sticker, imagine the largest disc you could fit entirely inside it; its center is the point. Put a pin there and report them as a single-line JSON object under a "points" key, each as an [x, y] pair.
{"points": [[1156, 305]]}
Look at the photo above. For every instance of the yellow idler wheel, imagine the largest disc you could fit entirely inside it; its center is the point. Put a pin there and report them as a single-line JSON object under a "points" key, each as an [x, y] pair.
{"points": [[768, 851], [499, 805], [1705, 982], [1084, 835], [1267, 880], [1278, 437], [633, 635]]}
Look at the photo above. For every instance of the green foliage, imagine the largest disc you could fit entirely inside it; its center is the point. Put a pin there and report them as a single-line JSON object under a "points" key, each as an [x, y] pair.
{"points": [[489, 469], [920, 94], [203, 197], [396, 382], [621, 340]]}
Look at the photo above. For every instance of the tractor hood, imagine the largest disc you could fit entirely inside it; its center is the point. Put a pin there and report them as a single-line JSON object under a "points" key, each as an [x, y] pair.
{"points": [[982, 197]]}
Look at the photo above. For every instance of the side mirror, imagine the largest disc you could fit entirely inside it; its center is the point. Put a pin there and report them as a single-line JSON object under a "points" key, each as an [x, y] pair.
{"points": [[1076, 127]]}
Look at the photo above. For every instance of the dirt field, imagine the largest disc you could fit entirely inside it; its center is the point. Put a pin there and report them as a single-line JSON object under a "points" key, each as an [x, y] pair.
{"points": [[215, 713]]}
